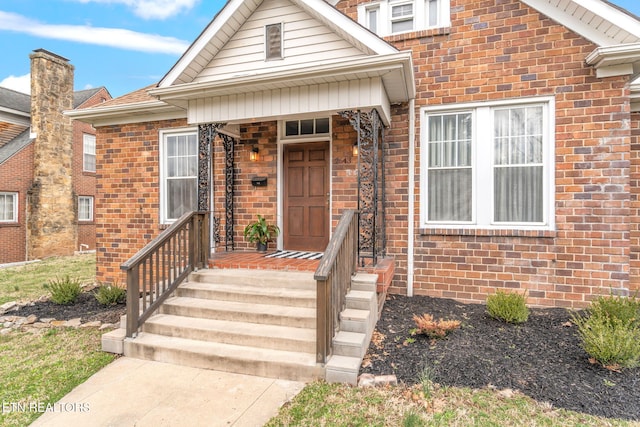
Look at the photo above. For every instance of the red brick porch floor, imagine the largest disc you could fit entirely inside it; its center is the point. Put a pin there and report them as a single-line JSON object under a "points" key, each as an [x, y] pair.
{"points": [[258, 261]]}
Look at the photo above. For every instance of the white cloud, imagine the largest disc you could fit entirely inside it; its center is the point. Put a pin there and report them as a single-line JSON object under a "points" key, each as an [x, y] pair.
{"points": [[18, 83], [88, 86], [112, 37], [152, 9]]}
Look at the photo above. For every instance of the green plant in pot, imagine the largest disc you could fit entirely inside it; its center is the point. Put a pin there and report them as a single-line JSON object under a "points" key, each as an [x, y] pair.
{"points": [[261, 232]]}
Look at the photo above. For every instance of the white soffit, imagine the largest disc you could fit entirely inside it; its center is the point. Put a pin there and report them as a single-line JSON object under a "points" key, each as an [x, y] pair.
{"points": [[598, 21]]}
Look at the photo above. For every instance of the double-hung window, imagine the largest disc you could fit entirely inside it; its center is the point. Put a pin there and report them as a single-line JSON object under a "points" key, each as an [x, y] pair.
{"points": [[88, 153], [179, 173], [489, 165], [85, 208], [388, 17], [8, 207]]}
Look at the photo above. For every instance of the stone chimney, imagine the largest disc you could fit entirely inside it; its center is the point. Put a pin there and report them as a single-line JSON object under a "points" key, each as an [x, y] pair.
{"points": [[51, 208]]}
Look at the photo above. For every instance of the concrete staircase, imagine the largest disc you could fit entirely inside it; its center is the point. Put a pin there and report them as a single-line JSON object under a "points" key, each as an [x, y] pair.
{"points": [[256, 322]]}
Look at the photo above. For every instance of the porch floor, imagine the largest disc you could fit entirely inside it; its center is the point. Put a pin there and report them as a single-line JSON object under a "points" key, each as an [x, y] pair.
{"points": [[259, 261], [253, 260]]}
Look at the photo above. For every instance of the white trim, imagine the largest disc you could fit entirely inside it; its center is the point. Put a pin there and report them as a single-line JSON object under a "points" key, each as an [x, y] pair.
{"points": [[411, 208], [480, 220], [86, 136], [91, 208], [135, 112], [281, 142], [162, 195], [420, 16], [16, 201]]}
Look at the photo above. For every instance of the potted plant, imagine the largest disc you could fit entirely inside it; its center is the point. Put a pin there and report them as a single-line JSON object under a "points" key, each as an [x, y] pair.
{"points": [[260, 232]]}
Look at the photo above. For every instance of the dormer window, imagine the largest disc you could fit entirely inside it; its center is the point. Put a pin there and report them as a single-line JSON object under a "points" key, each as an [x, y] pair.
{"points": [[389, 17], [273, 41]]}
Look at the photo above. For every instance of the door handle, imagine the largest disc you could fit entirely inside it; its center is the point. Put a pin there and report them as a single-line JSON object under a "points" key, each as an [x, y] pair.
{"points": [[328, 200]]}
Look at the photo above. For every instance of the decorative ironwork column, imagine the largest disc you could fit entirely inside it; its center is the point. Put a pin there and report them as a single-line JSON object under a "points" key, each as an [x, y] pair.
{"points": [[371, 202], [229, 178], [207, 134]]}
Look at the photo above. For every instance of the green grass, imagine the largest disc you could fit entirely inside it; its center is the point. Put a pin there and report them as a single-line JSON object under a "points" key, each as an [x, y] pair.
{"points": [[27, 282], [322, 404], [42, 368]]}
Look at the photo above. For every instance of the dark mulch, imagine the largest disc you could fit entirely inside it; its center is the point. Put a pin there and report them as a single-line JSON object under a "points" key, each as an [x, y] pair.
{"points": [[86, 308], [541, 358]]}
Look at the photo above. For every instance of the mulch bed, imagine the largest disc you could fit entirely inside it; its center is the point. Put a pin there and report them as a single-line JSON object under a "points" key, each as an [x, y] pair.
{"points": [[541, 358], [86, 308]]}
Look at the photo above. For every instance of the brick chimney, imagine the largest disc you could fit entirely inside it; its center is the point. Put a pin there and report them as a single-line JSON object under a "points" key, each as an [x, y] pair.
{"points": [[51, 208]]}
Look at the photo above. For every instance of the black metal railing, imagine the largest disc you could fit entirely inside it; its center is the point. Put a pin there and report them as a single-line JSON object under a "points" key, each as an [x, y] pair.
{"points": [[333, 278], [157, 270]]}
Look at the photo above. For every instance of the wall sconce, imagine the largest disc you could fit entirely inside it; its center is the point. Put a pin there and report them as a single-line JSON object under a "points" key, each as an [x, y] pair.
{"points": [[253, 155], [354, 150]]}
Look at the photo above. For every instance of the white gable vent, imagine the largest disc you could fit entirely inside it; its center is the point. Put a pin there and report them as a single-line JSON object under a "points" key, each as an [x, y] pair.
{"points": [[273, 41]]}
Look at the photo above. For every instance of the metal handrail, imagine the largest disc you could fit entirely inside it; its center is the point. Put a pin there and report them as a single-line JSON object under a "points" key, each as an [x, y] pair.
{"points": [[333, 277], [157, 269]]}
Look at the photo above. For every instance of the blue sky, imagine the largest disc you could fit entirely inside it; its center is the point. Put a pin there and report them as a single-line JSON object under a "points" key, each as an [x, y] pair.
{"points": [[120, 44]]}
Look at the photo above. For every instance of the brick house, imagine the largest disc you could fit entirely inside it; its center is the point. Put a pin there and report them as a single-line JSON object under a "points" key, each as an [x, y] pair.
{"points": [[488, 145], [47, 165]]}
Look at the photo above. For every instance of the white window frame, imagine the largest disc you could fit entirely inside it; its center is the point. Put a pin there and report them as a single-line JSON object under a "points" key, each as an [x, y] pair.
{"points": [[421, 18], [14, 214], [82, 199], [483, 164], [163, 134], [86, 138]]}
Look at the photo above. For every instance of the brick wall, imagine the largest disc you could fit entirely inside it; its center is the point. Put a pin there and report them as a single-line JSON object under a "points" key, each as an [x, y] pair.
{"points": [[84, 183], [15, 176], [634, 217], [506, 50], [127, 193]]}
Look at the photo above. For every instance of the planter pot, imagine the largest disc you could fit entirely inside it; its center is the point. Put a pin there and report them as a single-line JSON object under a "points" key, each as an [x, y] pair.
{"points": [[262, 247]]}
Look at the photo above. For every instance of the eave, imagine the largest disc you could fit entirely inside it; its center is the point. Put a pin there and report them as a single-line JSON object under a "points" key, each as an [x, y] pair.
{"points": [[395, 70], [137, 112], [616, 60]]}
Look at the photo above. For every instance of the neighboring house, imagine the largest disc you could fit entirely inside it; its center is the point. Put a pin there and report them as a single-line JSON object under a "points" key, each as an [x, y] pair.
{"points": [[489, 145], [47, 165]]}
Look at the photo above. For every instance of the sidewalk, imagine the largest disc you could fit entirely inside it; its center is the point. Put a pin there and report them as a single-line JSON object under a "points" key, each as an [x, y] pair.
{"points": [[132, 392]]}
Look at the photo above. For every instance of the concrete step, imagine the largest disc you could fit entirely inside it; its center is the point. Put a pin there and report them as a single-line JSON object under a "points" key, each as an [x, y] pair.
{"points": [[225, 357], [297, 317], [364, 282], [264, 278], [351, 344], [343, 369], [249, 294], [354, 320], [361, 300], [230, 332]]}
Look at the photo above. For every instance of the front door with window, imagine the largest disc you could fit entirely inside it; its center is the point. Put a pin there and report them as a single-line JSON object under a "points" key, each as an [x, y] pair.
{"points": [[306, 196]]}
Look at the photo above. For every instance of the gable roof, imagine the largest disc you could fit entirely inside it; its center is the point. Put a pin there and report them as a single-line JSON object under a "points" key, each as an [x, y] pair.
{"points": [[15, 145], [233, 15], [15, 101]]}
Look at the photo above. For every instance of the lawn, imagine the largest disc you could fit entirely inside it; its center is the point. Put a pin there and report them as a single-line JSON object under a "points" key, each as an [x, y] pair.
{"points": [[37, 369], [28, 282], [426, 404]]}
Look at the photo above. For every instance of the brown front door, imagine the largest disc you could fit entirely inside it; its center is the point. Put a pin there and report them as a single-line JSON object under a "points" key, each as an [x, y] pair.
{"points": [[306, 196]]}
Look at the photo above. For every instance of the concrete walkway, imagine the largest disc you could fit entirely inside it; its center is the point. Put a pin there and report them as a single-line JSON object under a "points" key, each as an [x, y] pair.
{"points": [[132, 392]]}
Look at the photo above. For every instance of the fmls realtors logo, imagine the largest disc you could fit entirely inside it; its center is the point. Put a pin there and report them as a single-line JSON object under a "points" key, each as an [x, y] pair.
{"points": [[41, 407]]}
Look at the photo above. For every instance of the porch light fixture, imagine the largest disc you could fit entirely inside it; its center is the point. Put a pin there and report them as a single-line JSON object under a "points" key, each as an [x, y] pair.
{"points": [[253, 155], [354, 150]]}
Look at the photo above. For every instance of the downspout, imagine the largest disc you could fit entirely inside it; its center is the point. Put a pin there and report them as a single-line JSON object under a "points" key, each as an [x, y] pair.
{"points": [[411, 213]]}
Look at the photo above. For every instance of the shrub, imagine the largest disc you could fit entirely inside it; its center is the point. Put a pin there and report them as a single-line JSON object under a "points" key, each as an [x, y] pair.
{"points": [[610, 331], [426, 325], [508, 306], [64, 291], [110, 295]]}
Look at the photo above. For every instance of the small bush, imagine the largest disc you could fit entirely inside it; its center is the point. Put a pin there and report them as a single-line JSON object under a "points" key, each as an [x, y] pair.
{"points": [[432, 328], [110, 295], [64, 291], [508, 306], [610, 331]]}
